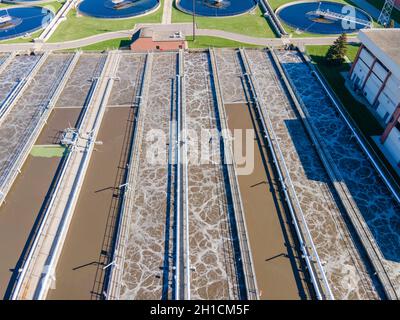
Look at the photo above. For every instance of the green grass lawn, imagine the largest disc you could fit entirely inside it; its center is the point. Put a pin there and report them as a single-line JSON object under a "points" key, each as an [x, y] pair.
{"points": [[107, 45], [365, 121], [277, 3], [77, 27], [200, 42], [251, 24], [216, 42], [30, 38], [359, 114]]}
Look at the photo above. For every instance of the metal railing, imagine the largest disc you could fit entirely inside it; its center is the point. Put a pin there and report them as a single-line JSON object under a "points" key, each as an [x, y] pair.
{"points": [[305, 241], [112, 287], [331, 169], [5, 106], [347, 200], [185, 178], [179, 263], [39, 291], [19, 155], [245, 248], [6, 61], [60, 16], [58, 242], [19, 88], [71, 66], [356, 133], [334, 15]]}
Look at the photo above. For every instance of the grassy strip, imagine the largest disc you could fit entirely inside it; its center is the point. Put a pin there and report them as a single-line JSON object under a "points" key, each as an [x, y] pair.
{"points": [[54, 6], [200, 42], [78, 27], [23, 39], [216, 42], [112, 44], [252, 23], [358, 113], [361, 116], [50, 151]]}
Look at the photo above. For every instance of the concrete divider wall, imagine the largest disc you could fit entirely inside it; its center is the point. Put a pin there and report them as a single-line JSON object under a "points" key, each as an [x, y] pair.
{"points": [[245, 249], [113, 282]]}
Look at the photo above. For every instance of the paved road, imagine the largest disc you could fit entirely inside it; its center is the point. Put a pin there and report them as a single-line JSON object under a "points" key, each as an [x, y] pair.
{"points": [[186, 28]]}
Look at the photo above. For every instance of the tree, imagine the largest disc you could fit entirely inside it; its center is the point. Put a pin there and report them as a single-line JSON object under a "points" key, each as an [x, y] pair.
{"points": [[337, 51]]}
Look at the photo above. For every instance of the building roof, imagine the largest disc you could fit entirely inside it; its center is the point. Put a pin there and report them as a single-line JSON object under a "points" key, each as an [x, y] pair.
{"points": [[159, 35], [146, 33], [385, 45]]}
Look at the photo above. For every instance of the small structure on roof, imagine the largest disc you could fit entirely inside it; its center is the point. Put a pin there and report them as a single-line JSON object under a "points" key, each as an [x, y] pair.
{"points": [[147, 39]]}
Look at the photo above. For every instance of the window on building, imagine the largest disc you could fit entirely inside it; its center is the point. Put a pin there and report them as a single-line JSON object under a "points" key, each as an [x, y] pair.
{"points": [[376, 104], [385, 117]]}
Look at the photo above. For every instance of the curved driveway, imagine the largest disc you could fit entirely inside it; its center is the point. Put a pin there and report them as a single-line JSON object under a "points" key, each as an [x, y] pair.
{"points": [[186, 28]]}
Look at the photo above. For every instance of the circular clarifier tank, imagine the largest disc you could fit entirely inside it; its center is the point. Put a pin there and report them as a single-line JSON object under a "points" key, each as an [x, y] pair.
{"points": [[16, 22], [216, 8], [111, 9], [324, 17]]}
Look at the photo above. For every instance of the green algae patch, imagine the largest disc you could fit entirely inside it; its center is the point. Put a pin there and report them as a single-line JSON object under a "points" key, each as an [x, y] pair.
{"points": [[48, 151]]}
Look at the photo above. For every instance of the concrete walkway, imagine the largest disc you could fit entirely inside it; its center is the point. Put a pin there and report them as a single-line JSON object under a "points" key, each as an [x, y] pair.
{"points": [[186, 28], [167, 12], [17, 5]]}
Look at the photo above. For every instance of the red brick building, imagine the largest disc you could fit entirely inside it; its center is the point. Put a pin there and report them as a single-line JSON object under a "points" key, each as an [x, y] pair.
{"points": [[147, 39]]}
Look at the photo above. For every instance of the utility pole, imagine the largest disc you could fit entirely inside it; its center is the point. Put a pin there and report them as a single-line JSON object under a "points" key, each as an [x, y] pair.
{"points": [[194, 23]]}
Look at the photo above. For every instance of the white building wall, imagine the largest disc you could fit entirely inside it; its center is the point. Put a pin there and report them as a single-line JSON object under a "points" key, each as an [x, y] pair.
{"points": [[392, 145], [389, 98], [380, 71], [393, 88], [360, 71], [387, 103], [372, 87], [367, 57]]}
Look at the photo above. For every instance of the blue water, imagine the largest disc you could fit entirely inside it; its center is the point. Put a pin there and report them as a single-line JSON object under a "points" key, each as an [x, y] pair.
{"points": [[297, 16], [104, 8], [26, 20], [374, 200], [208, 8]]}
